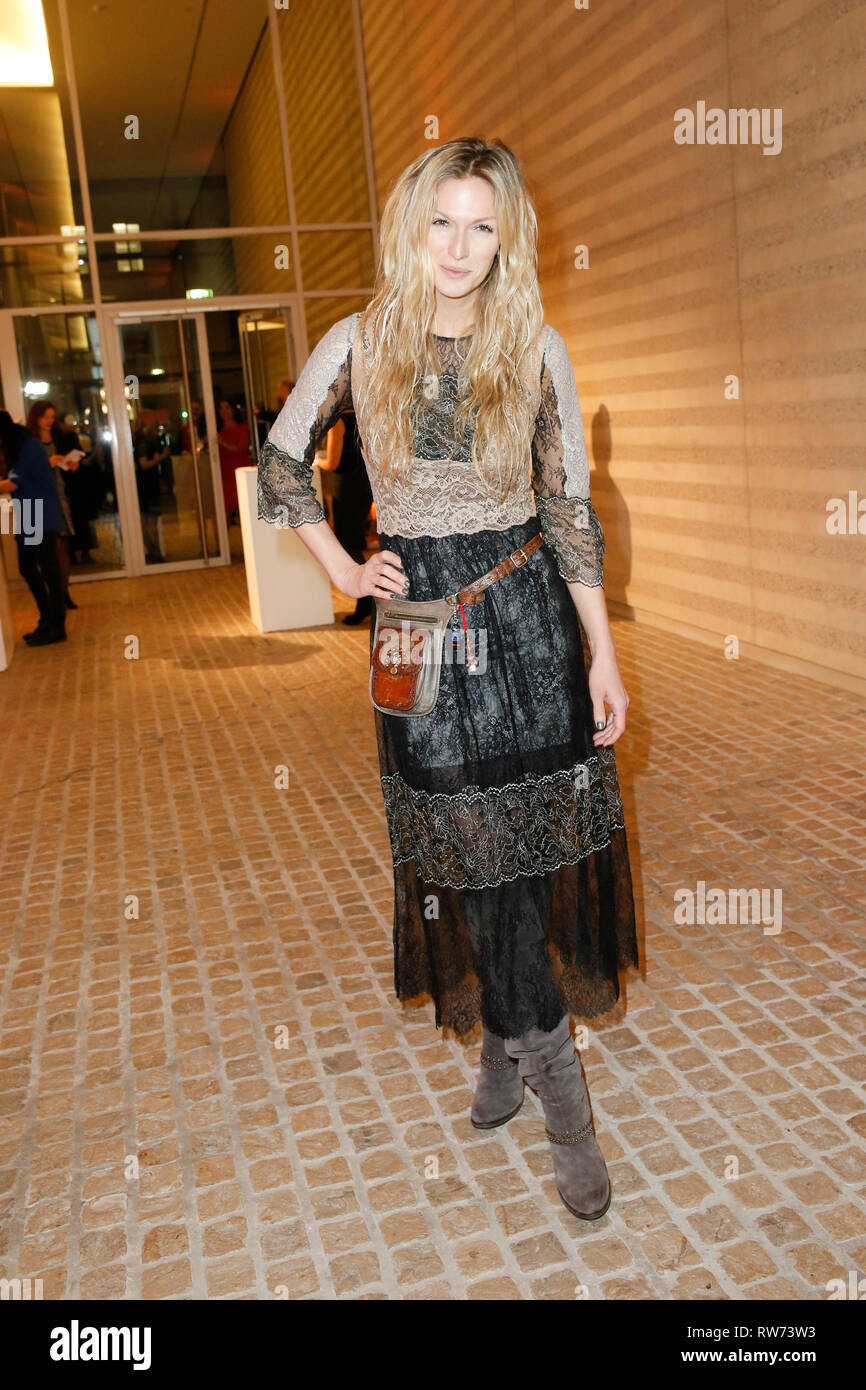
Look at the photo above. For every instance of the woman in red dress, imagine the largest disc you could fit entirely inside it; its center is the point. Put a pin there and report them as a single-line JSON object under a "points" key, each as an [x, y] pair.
{"points": [[234, 442]]}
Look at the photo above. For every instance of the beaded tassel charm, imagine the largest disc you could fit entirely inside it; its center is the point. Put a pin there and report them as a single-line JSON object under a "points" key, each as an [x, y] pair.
{"points": [[471, 661]]}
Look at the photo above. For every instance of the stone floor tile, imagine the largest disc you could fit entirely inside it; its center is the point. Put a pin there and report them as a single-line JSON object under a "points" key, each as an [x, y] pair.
{"points": [[220, 1097]]}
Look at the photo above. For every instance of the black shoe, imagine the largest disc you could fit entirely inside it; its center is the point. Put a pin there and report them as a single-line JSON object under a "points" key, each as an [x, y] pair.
{"points": [[363, 609], [40, 627], [47, 636], [70, 601]]}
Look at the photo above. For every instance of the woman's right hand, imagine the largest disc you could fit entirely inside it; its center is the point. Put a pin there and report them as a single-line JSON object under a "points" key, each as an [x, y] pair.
{"points": [[381, 576]]}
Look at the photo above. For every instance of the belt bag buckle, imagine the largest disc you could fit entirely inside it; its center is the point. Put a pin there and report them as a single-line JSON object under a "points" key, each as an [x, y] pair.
{"points": [[406, 656], [518, 564]]}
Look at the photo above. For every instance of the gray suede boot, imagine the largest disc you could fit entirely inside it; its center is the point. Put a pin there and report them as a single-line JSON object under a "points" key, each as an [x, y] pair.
{"points": [[499, 1093], [549, 1064]]}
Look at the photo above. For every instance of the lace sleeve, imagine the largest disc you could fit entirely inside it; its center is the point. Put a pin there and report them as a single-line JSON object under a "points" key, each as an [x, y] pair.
{"points": [[560, 472], [286, 496]]}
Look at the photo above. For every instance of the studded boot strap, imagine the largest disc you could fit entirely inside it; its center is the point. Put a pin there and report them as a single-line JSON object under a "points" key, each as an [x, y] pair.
{"points": [[570, 1136], [496, 1063]]}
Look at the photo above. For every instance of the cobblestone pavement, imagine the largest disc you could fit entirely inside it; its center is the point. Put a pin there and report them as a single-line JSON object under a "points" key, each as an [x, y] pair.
{"points": [[208, 1088]]}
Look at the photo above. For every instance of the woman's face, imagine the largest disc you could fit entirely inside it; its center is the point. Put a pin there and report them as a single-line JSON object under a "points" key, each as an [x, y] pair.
{"points": [[226, 412], [463, 235], [46, 420]]}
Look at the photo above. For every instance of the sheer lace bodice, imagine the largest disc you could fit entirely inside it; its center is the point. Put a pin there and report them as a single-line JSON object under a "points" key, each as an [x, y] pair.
{"points": [[444, 495]]}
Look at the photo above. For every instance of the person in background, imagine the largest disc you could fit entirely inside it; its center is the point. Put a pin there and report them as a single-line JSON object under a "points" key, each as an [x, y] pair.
{"points": [[234, 443], [265, 418], [81, 485], [41, 418], [263, 421], [345, 481], [29, 479], [192, 434], [149, 450]]}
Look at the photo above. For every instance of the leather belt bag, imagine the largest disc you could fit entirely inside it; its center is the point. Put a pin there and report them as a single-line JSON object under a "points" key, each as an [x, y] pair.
{"points": [[408, 637]]}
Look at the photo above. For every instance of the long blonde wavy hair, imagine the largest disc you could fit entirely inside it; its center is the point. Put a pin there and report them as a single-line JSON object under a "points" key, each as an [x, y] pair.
{"points": [[495, 381]]}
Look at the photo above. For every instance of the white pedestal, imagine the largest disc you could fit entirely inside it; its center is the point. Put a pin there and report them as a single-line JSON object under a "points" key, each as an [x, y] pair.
{"points": [[8, 571], [287, 587]]}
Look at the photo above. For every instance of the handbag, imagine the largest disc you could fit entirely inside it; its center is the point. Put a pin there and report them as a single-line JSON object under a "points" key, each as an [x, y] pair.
{"points": [[406, 662], [409, 635]]}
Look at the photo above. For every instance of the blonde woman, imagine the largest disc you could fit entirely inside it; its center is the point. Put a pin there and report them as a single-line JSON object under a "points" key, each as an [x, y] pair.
{"points": [[513, 897]]}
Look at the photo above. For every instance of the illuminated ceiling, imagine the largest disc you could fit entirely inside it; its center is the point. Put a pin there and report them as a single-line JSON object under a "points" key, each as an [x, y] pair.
{"points": [[177, 65]]}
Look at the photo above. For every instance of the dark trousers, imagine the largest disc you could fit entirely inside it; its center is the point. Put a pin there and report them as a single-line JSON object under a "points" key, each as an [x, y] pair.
{"points": [[39, 567], [351, 498]]}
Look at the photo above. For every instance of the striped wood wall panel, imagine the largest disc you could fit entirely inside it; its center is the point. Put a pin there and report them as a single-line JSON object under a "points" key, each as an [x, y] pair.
{"points": [[325, 139], [323, 116], [255, 179], [705, 261]]}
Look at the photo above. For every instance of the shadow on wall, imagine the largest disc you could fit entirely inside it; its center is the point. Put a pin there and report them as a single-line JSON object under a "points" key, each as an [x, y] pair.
{"points": [[617, 527]]}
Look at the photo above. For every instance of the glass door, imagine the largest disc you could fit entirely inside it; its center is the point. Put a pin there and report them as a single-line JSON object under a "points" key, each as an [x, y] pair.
{"points": [[268, 356], [171, 439], [56, 359]]}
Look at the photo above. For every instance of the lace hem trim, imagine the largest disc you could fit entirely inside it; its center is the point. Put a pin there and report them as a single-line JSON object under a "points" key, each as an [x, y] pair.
{"points": [[484, 837], [285, 492], [573, 532]]}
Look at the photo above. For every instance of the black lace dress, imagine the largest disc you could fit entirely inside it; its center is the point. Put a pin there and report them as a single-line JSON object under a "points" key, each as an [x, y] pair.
{"points": [[512, 889]]}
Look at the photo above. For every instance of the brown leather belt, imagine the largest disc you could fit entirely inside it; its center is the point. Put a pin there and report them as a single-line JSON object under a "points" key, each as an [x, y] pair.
{"points": [[474, 592]]}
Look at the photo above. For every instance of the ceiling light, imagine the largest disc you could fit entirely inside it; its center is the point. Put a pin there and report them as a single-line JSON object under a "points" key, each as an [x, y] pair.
{"points": [[24, 51]]}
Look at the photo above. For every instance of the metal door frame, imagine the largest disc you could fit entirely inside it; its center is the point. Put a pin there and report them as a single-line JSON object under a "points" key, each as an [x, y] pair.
{"points": [[245, 340], [127, 499], [108, 319]]}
